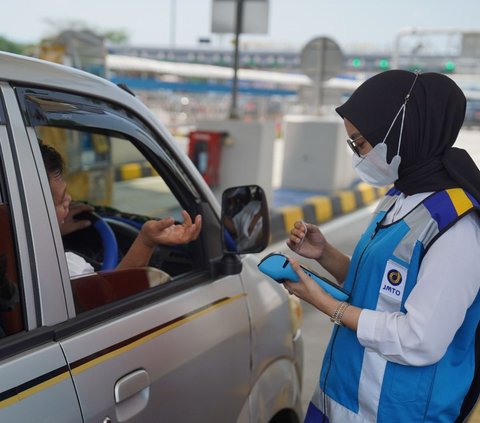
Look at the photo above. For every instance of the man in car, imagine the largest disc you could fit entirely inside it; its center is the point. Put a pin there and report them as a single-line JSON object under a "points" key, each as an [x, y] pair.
{"points": [[153, 232]]}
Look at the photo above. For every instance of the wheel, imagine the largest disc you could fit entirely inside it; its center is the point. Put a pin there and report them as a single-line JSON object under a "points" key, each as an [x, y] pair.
{"points": [[107, 237]]}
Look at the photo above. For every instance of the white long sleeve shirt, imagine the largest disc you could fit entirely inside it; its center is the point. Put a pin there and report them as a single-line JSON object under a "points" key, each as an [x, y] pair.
{"points": [[448, 282], [77, 265]]}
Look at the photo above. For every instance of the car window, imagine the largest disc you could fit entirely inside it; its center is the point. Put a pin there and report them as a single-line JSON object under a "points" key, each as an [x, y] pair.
{"points": [[115, 164], [11, 305]]}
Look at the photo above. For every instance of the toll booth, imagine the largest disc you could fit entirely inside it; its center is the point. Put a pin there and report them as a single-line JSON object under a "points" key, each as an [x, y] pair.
{"points": [[204, 149]]}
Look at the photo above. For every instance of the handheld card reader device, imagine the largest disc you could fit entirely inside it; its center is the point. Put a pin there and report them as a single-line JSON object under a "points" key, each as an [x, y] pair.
{"points": [[277, 266]]}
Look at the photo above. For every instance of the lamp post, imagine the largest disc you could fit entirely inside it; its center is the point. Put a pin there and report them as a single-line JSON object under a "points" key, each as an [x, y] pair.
{"points": [[238, 30], [173, 22]]}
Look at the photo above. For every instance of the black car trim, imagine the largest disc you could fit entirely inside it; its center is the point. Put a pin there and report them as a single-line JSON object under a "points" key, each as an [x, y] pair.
{"points": [[33, 386]]}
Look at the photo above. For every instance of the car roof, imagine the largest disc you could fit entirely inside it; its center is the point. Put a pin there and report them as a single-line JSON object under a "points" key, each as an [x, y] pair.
{"points": [[23, 69]]}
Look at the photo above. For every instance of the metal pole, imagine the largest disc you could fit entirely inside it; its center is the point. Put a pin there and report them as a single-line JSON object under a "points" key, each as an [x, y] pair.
{"points": [[173, 22], [238, 30], [322, 76]]}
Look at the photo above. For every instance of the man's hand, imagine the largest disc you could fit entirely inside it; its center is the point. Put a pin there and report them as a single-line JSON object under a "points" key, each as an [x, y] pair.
{"points": [[71, 224], [166, 232]]}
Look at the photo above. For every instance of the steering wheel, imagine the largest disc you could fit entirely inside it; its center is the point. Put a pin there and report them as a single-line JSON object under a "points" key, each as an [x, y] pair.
{"points": [[107, 236]]}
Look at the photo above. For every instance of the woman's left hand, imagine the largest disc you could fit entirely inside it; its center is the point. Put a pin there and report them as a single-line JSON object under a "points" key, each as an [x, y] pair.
{"points": [[306, 288]]}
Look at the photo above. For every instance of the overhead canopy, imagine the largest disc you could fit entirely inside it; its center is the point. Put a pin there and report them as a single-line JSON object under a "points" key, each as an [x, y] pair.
{"points": [[119, 63]]}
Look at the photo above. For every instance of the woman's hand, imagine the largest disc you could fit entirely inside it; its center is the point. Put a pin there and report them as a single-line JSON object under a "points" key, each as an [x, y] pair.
{"points": [[70, 224], [166, 232], [308, 290], [307, 240]]}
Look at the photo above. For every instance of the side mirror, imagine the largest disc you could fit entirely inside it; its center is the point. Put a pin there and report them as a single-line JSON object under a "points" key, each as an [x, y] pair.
{"points": [[245, 220]]}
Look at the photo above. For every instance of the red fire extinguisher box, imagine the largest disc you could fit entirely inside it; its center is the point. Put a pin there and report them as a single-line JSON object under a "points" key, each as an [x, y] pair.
{"points": [[204, 149]]}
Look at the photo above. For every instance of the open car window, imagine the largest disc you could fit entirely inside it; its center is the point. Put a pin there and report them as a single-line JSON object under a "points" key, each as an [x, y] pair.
{"points": [[115, 164]]}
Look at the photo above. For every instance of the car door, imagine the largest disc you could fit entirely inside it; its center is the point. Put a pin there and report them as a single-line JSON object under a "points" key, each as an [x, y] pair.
{"points": [[143, 347], [36, 384]]}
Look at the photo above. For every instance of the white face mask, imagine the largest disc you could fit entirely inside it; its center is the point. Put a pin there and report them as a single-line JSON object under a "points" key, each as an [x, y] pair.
{"points": [[374, 169]]}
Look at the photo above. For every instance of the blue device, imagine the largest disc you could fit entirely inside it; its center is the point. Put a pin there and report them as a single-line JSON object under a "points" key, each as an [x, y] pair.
{"points": [[277, 266]]}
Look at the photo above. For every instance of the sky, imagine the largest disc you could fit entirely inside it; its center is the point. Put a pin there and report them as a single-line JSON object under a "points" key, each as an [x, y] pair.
{"points": [[354, 24]]}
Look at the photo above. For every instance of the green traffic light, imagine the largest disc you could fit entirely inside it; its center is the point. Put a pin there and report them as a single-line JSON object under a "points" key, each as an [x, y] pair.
{"points": [[356, 63], [449, 66], [383, 64]]}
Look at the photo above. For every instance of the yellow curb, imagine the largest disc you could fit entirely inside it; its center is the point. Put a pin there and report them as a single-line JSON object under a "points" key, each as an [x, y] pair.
{"points": [[347, 201], [323, 207], [131, 171], [290, 215], [367, 192], [382, 191]]}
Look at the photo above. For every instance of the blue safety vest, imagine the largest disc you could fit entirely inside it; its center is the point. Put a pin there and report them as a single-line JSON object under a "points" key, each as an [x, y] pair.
{"points": [[357, 384]]}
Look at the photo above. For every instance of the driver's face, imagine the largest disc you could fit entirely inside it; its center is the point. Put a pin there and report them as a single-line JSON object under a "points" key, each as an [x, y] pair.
{"points": [[61, 198]]}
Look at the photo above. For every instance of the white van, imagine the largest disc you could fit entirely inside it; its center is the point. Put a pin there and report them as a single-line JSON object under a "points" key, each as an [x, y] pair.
{"points": [[197, 336]]}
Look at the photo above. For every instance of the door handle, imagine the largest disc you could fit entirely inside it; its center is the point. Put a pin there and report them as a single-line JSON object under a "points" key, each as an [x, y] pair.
{"points": [[131, 384]]}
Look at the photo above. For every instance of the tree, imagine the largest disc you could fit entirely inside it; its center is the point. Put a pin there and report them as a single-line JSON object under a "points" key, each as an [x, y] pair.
{"points": [[114, 36], [11, 46]]}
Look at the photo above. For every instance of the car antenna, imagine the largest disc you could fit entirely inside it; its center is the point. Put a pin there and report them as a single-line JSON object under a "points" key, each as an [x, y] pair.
{"points": [[125, 87]]}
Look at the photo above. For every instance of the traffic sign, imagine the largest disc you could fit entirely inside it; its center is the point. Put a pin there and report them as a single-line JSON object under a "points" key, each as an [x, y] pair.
{"points": [[321, 59]]}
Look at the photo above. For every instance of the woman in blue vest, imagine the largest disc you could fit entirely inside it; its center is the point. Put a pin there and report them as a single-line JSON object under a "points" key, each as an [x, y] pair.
{"points": [[406, 345]]}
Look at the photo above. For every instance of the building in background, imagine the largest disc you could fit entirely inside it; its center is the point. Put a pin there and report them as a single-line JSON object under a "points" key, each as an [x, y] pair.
{"points": [[184, 85]]}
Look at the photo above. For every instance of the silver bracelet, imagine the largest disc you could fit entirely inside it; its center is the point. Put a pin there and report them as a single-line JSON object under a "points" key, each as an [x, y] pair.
{"points": [[337, 315]]}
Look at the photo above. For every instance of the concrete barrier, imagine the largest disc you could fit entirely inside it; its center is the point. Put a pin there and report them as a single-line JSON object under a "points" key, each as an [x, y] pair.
{"points": [[248, 156], [322, 208], [316, 156]]}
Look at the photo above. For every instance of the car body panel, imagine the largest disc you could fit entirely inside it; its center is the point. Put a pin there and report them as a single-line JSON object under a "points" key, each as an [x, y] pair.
{"points": [[36, 386], [183, 366]]}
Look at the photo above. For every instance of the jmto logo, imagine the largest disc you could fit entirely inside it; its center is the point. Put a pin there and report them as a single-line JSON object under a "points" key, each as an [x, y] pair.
{"points": [[394, 279]]}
